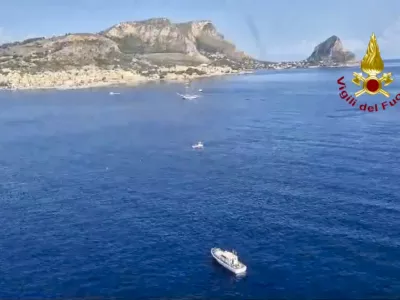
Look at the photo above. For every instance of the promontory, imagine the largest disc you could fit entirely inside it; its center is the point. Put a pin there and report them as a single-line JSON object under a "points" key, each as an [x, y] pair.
{"points": [[132, 52]]}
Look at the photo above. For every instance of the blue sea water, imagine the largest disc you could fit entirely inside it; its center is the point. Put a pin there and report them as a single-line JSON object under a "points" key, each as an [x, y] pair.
{"points": [[103, 195]]}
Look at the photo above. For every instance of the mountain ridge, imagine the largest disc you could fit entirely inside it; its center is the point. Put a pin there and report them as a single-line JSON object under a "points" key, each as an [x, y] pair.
{"points": [[128, 52]]}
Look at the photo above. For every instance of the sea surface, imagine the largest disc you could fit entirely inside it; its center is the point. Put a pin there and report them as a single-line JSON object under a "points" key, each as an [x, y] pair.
{"points": [[103, 195]]}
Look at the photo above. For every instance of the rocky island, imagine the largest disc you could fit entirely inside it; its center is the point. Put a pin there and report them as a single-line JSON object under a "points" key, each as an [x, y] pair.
{"points": [[132, 52], [331, 53]]}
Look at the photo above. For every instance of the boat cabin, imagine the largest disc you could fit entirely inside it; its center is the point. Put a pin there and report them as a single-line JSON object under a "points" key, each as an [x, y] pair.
{"points": [[230, 257]]}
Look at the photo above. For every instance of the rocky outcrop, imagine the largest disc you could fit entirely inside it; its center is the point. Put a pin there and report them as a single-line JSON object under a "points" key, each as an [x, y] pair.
{"points": [[155, 36], [208, 40], [126, 52], [157, 39], [139, 47], [131, 52], [331, 51], [92, 76]]}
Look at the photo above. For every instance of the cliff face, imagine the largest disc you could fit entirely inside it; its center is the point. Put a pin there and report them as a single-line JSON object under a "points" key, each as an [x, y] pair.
{"points": [[139, 46], [153, 36], [208, 40], [331, 50], [194, 41]]}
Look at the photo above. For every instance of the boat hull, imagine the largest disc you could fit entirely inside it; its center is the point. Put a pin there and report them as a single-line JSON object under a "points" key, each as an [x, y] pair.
{"points": [[237, 271]]}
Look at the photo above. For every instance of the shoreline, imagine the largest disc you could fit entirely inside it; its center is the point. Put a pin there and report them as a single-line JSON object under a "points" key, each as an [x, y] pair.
{"points": [[93, 77], [118, 84], [99, 78]]}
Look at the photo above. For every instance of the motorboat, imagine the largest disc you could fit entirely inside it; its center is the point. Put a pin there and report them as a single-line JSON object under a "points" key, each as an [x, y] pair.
{"points": [[229, 260], [188, 96], [113, 93], [199, 145], [200, 90]]}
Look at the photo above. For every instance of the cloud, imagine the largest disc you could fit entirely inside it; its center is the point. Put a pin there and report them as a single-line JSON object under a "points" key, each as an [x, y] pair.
{"points": [[4, 38], [304, 48], [30, 36], [389, 40], [354, 45], [389, 43], [392, 31], [299, 50]]}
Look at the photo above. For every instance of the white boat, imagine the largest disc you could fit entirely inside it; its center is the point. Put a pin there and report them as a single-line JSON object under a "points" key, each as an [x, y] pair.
{"points": [[199, 145], [188, 96], [229, 260], [112, 93], [200, 90]]}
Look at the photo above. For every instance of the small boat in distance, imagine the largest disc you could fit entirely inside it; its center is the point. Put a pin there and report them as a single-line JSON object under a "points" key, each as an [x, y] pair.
{"points": [[112, 93], [199, 145], [200, 90], [229, 260], [188, 96]]}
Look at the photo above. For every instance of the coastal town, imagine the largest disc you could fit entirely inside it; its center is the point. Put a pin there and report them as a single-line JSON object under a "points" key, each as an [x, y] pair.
{"points": [[91, 76]]}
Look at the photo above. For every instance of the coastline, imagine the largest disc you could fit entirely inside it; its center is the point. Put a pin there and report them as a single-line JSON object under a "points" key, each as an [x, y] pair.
{"points": [[93, 77], [123, 54]]}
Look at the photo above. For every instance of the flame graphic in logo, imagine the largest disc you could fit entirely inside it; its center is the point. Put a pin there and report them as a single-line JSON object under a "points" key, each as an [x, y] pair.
{"points": [[372, 64]]}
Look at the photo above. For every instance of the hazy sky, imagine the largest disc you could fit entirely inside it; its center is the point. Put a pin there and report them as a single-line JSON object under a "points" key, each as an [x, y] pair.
{"points": [[275, 30]]}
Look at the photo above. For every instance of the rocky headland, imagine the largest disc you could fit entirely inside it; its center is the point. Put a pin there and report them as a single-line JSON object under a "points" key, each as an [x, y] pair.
{"points": [[134, 52], [331, 53]]}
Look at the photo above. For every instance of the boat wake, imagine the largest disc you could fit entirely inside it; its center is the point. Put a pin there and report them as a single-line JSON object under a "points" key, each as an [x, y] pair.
{"points": [[188, 96], [199, 145]]}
